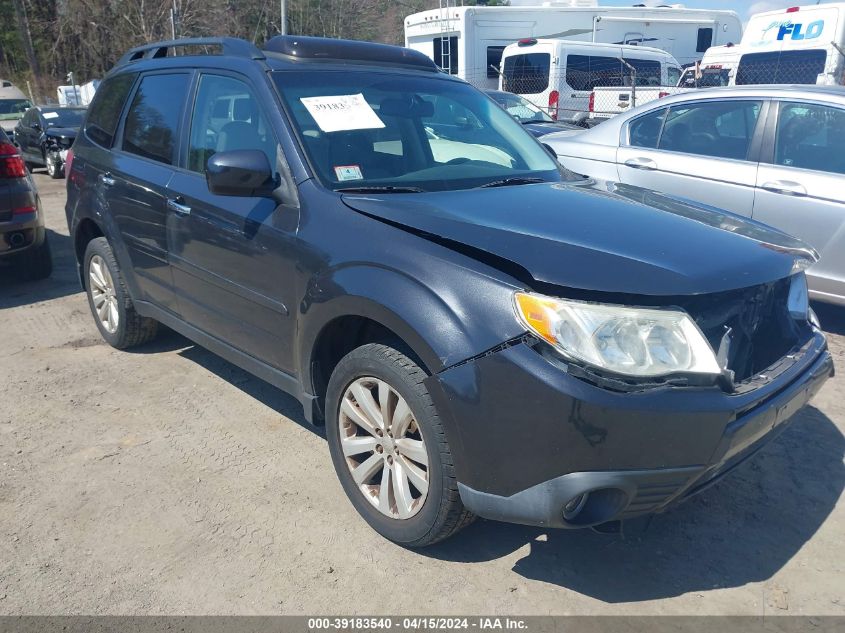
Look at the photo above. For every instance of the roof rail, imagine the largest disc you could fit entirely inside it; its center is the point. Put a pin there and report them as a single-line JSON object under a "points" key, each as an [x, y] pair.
{"points": [[305, 48], [228, 46]]}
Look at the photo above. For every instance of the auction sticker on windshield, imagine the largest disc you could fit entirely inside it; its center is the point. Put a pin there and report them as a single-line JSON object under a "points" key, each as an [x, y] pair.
{"points": [[348, 172], [342, 112]]}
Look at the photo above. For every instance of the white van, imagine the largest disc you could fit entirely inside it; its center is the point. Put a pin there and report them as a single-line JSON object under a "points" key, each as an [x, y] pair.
{"points": [[798, 45], [559, 75], [716, 69]]}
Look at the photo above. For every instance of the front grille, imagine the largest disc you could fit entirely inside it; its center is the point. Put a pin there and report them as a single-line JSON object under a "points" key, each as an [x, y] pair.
{"points": [[751, 326]]}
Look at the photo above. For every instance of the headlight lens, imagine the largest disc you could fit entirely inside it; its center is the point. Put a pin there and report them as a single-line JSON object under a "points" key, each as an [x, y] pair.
{"points": [[631, 341]]}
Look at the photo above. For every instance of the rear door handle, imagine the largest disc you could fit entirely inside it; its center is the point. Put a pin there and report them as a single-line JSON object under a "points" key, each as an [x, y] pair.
{"points": [[785, 187], [107, 180], [176, 206], [641, 163]]}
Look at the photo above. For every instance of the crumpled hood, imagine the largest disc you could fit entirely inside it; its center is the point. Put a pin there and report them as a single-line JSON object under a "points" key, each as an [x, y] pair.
{"points": [[599, 236]]}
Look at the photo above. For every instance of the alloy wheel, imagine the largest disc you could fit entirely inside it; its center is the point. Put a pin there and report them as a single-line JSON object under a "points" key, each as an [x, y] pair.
{"points": [[101, 287], [383, 447]]}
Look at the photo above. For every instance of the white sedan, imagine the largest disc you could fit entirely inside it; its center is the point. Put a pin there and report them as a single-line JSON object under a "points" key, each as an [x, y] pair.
{"points": [[773, 153]]}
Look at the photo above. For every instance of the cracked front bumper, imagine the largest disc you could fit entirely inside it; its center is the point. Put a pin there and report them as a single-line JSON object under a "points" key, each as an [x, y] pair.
{"points": [[528, 438]]}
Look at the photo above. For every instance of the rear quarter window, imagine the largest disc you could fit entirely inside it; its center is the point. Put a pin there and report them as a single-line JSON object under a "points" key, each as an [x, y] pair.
{"points": [[104, 112]]}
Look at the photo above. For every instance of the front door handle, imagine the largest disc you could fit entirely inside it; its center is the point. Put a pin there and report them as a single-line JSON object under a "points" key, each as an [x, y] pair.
{"points": [[176, 206], [641, 163], [107, 180], [786, 187]]}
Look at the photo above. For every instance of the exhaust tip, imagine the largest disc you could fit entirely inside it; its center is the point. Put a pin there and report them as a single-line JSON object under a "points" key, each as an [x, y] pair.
{"points": [[594, 507], [16, 239]]}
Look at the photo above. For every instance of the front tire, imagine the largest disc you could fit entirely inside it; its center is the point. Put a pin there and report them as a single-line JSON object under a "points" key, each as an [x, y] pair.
{"points": [[54, 168], [389, 448], [114, 313]]}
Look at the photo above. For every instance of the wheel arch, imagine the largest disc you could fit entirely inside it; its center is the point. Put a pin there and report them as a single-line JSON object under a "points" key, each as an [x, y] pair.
{"points": [[362, 304], [87, 229]]}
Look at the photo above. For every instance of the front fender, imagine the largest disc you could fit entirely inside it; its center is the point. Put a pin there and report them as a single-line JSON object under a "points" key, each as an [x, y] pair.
{"points": [[449, 315]]}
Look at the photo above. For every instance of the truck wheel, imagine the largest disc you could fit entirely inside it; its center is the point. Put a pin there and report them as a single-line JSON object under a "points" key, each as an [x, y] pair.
{"points": [[35, 263], [389, 449], [119, 324]]}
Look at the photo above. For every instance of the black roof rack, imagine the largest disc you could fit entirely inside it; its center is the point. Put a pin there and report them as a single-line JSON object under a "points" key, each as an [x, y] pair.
{"points": [[307, 48], [227, 46]]}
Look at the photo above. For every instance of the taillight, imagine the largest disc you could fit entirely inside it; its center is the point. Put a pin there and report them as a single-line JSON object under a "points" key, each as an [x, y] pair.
{"points": [[554, 97], [793, 9], [68, 161], [662, 94], [592, 102], [23, 210], [11, 163]]}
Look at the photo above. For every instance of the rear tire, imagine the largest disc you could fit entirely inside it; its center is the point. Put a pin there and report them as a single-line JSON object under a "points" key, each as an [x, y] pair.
{"points": [[114, 313], [392, 454], [36, 262]]}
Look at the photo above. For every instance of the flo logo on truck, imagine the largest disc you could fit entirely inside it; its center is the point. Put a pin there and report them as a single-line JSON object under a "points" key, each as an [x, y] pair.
{"points": [[795, 30]]}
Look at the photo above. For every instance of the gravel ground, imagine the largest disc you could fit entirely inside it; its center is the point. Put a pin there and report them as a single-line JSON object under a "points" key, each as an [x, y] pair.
{"points": [[167, 481]]}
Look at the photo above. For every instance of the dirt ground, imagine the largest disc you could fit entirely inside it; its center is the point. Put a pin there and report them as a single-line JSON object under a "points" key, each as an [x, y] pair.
{"points": [[167, 481]]}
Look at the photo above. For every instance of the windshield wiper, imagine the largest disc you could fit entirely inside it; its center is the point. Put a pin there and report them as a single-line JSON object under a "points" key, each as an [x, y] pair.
{"points": [[516, 180], [387, 189]]}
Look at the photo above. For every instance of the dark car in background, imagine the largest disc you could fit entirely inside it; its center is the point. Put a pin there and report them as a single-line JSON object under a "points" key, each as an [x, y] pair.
{"points": [[481, 331], [23, 238], [46, 133], [532, 118]]}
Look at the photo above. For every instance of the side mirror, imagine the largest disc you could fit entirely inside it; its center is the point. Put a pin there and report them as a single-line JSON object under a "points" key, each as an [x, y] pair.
{"points": [[240, 172]]}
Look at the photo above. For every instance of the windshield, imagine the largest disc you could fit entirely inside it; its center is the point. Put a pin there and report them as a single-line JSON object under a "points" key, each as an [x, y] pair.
{"points": [[378, 130], [521, 108], [63, 117], [13, 108]]}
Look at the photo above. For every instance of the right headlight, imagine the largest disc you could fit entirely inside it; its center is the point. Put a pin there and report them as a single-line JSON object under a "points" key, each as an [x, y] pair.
{"points": [[642, 342]]}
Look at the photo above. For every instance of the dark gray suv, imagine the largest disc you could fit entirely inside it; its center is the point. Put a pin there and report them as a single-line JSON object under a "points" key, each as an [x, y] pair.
{"points": [[481, 332]]}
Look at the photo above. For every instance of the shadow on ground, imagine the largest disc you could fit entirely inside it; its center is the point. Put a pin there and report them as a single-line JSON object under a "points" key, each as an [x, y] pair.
{"points": [[14, 292], [281, 402], [742, 530]]}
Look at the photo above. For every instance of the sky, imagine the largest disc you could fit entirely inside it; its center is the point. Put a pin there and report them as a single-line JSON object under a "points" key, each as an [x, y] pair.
{"points": [[744, 9]]}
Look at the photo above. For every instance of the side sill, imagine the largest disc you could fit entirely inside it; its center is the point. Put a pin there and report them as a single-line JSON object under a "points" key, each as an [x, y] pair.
{"points": [[284, 381]]}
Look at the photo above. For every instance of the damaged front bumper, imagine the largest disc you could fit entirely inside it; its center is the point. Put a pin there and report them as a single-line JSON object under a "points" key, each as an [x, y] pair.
{"points": [[532, 442]]}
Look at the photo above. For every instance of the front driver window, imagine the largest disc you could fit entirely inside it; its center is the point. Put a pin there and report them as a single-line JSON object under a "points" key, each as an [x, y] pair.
{"points": [[721, 129], [227, 117]]}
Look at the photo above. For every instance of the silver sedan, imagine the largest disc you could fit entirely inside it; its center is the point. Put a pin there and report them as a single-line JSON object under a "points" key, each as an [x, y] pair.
{"points": [[774, 153]]}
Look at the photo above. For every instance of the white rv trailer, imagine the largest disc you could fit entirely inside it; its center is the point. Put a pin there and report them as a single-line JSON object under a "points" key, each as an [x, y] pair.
{"points": [[468, 41], [798, 45]]}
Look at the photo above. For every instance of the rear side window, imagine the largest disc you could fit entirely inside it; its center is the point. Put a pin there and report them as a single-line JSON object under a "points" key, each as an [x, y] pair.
{"points": [[586, 72], [787, 67], [527, 74], [811, 137], [645, 130], [104, 113], [153, 117]]}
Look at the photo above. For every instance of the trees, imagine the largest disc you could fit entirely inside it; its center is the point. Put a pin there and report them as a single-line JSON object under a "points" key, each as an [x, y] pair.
{"points": [[48, 38]]}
